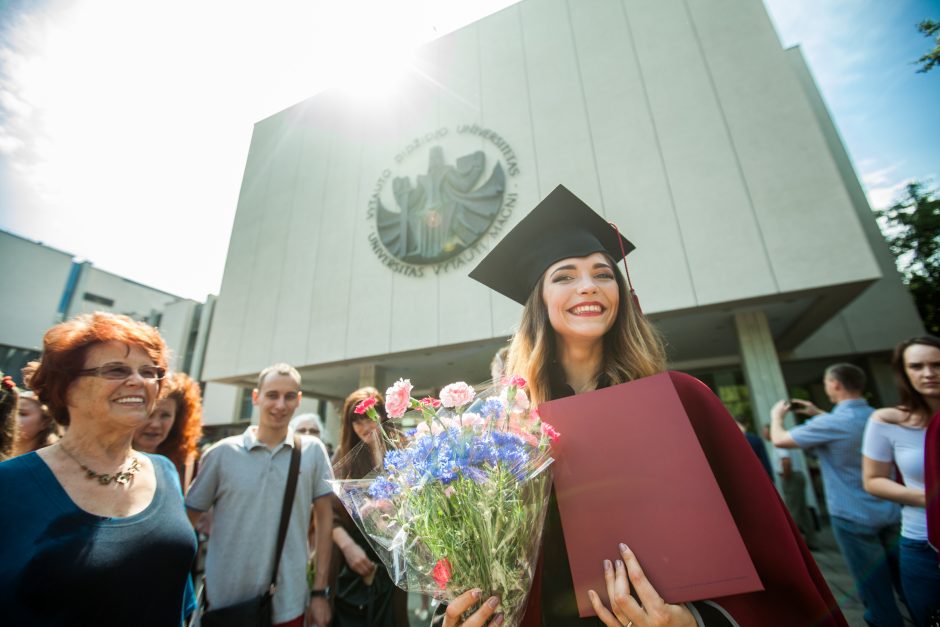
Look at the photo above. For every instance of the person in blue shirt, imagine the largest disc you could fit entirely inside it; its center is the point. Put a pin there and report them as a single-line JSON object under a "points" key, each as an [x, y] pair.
{"points": [[866, 528], [92, 531]]}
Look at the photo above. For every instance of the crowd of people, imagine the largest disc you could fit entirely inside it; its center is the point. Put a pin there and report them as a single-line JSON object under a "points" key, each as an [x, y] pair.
{"points": [[104, 482], [874, 474]]}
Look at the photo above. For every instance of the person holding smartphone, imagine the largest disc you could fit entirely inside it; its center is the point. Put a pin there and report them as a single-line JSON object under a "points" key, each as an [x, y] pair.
{"points": [[865, 527]]}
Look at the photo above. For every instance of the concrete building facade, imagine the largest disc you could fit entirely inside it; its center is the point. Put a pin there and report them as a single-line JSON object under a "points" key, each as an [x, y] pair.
{"points": [[44, 286], [682, 121]]}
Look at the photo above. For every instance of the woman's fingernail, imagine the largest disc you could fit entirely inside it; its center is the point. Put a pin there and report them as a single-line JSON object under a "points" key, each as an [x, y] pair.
{"points": [[492, 602], [623, 547], [475, 593], [497, 620], [619, 564], [593, 596], [607, 565]]}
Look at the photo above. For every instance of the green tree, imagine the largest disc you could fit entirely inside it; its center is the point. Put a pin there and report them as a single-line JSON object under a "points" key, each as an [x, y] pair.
{"points": [[929, 28], [912, 228]]}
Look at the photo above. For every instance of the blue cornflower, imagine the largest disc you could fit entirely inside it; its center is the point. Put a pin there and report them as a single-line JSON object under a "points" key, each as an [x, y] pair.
{"points": [[481, 450], [397, 459], [382, 488], [492, 408]]}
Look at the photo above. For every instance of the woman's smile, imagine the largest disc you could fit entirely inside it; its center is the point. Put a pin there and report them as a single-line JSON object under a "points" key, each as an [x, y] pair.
{"points": [[588, 310]]}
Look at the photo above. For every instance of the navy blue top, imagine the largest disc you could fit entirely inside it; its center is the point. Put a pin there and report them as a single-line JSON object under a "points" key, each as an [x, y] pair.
{"points": [[761, 451], [60, 565]]}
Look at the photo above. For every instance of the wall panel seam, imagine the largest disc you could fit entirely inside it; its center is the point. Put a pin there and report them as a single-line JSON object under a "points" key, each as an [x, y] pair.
{"points": [[352, 248], [313, 297], [659, 150], [731, 142], [287, 235], [584, 105], [266, 177], [489, 295]]}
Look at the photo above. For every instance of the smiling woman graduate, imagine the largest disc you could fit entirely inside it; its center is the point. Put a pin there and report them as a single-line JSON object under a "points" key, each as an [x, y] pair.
{"points": [[84, 519], [582, 330]]}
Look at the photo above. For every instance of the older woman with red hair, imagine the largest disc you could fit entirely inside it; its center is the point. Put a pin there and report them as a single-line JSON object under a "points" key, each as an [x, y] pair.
{"points": [[175, 425], [86, 517]]}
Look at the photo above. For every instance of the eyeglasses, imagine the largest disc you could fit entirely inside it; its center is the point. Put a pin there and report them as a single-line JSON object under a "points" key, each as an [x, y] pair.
{"points": [[119, 372], [307, 431]]}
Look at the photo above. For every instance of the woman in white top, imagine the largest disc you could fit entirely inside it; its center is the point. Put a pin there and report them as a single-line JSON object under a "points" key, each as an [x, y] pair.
{"points": [[896, 435]]}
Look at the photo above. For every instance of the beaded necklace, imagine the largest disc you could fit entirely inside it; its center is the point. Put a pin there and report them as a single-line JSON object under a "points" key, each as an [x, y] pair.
{"points": [[122, 477]]}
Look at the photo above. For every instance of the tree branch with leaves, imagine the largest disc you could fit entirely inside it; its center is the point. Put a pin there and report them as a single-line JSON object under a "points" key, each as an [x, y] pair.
{"points": [[912, 228], [929, 28]]}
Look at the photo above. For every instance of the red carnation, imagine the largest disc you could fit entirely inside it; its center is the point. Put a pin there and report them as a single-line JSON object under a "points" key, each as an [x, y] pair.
{"points": [[550, 432], [517, 381], [364, 405], [429, 401], [442, 572]]}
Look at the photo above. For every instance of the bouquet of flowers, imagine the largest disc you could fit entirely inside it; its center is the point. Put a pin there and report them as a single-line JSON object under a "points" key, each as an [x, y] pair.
{"points": [[458, 502]]}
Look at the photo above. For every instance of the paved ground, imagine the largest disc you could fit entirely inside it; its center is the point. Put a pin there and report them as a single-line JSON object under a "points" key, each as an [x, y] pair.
{"points": [[840, 580], [830, 563]]}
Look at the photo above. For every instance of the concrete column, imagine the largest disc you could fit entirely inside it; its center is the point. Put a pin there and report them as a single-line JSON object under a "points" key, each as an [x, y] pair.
{"points": [[332, 420], [371, 374], [765, 380], [202, 337]]}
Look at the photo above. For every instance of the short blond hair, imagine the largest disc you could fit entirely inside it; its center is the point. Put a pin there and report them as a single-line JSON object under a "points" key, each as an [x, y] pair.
{"points": [[279, 369]]}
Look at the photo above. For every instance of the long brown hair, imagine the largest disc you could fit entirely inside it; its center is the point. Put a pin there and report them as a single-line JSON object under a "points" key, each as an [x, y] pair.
{"points": [[633, 348], [50, 432], [911, 400], [183, 439], [354, 458], [9, 417]]}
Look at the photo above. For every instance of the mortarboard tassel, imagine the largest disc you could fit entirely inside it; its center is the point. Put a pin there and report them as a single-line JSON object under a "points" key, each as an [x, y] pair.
{"points": [[636, 299]]}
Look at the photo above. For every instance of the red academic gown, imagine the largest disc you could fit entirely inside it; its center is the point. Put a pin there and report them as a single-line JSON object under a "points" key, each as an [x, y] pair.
{"points": [[932, 479], [795, 592]]}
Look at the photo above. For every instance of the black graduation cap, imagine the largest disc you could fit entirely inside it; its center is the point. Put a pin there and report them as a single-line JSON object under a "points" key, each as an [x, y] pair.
{"points": [[560, 226]]}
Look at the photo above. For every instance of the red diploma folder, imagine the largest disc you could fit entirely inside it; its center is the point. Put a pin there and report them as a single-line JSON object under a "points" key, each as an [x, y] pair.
{"points": [[629, 468]]}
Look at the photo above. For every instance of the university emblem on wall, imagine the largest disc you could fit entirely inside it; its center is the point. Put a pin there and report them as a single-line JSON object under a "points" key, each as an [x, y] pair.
{"points": [[444, 212], [438, 217]]}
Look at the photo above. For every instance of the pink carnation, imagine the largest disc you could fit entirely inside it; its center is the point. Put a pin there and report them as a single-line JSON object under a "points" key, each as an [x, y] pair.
{"points": [[550, 432], [398, 398], [455, 395], [521, 402], [472, 420], [429, 401], [517, 381], [523, 433]]}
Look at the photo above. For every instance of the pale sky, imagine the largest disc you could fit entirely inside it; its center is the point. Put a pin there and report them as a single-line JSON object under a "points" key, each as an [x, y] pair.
{"points": [[125, 124]]}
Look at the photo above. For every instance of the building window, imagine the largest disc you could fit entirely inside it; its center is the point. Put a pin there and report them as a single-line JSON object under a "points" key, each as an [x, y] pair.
{"points": [[13, 360], [246, 405], [101, 300]]}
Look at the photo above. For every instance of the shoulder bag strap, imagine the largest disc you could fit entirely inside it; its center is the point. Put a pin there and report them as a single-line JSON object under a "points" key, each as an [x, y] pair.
{"points": [[292, 473]]}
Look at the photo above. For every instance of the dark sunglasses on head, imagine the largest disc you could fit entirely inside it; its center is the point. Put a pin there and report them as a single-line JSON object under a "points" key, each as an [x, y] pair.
{"points": [[118, 372], [307, 431]]}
